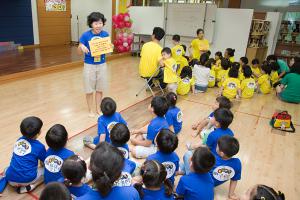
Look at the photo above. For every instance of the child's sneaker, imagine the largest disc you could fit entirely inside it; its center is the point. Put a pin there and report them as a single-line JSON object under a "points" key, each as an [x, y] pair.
{"points": [[25, 189], [87, 140]]}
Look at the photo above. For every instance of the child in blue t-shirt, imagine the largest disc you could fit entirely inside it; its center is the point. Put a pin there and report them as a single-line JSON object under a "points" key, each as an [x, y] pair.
{"points": [[227, 167], [105, 123], [144, 138], [174, 114], [119, 137], [167, 143], [106, 165], [74, 170], [205, 127], [56, 139], [23, 171], [198, 185], [156, 184]]}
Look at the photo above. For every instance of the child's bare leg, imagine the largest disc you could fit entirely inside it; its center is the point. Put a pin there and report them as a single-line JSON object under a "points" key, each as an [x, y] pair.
{"points": [[98, 99], [200, 126], [91, 146]]}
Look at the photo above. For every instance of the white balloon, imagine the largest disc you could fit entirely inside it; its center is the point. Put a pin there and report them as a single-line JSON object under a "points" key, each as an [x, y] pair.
{"points": [[126, 19], [125, 34], [125, 44]]}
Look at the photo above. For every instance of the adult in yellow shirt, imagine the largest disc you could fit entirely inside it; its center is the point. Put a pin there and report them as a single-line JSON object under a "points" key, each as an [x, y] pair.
{"points": [[186, 81], [263, 82], [199, 45], [170, 67], [151, 54], [248, 84], [231, 87]]}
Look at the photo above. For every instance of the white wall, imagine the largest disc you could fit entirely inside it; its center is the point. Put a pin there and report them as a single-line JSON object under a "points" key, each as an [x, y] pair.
{"points": [[232, 30], [269, 5], [35, 25], [275, 19], [82, 8]]}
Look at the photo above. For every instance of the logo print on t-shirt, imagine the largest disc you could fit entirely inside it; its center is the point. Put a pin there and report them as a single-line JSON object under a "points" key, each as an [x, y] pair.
{"points": [[223, 173], [22, 147], [179, 117], [251, 85], [178, 52], [170, 167], [111, 125], [211, 78], [186, 80], [124, 180], [174, 67], [53, 163], [232, 85], [124, 152]]}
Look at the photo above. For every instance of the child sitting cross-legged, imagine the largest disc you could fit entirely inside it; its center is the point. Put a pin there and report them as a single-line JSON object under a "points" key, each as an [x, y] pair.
{"points": [[24, 172], [143, 139], [105, 123], [174, 114], [248, 84], [231, 87]]}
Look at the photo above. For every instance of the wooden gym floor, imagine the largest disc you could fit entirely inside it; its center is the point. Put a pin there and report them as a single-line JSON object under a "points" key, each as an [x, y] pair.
{"points": [[268, 156]]}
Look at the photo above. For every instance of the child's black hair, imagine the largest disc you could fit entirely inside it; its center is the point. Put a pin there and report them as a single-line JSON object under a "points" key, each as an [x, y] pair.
{"points": [[166, 50], [230, 52], [295, 67], [203, 59], [186, 72], [106, 166], [233, 73], [184, 47], [176, 38], [224, 102], [154, 175], [228, 145], [244, 60], [73, 169], [55, 191], [108, 106], [57, 137], [219, 53], [160, 106], [158, 33], [171, 99], [200, 30], [208, 53], [225, 63], [210, 62], [247, 71], [203, 160], [95, 17], [31, 126], [272, 58], [267, 193], [274, 66], [224, 117], [235, 65], [266, 68], [119, 134], [255, 61], [194, 62], [166, 141]]}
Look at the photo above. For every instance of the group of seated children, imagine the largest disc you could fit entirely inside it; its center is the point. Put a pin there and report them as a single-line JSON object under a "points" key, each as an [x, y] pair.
{"points": [[182, 74]]}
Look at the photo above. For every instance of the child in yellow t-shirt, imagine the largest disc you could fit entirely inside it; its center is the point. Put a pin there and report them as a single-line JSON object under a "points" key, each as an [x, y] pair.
{"points": [[231, 87], [186, 81], [274, 73], [199, 45], [217, 66], [170, 67], [243, 62], [178, 53], [264, 82], [255, 69], [222, 74], [212, 74], [151, 54], [248, 84], [229, 54]]}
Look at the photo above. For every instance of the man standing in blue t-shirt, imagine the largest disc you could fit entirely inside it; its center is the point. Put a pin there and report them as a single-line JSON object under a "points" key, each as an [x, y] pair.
{"points": [[94, 67]]}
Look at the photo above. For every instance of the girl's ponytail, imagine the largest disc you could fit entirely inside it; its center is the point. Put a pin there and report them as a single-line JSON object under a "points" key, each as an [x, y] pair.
{"points": [[168, 187]]}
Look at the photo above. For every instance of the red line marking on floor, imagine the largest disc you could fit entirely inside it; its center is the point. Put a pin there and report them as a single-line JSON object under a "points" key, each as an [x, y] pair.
{"points": [[34, 196]]}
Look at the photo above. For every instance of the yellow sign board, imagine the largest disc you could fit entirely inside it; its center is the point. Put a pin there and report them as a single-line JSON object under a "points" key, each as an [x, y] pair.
{"points": [[100, 46]]}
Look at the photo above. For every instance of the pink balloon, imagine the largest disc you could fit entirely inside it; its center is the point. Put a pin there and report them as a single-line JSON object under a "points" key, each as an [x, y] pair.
{"points": [[127, 24], [120, 17], [127, 49], [116, 26], [121, 24], [115, 18], [126, 15], [129, 41], [124, 39], [119, 35], [130, 36]]}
